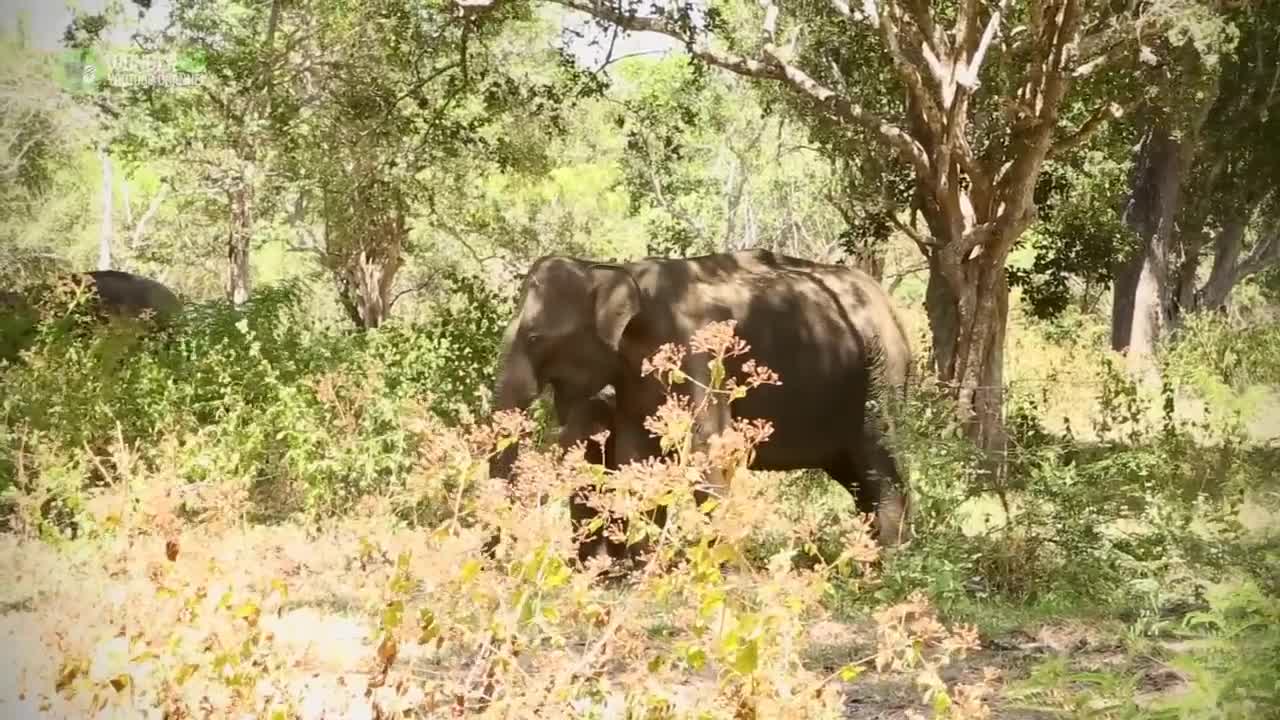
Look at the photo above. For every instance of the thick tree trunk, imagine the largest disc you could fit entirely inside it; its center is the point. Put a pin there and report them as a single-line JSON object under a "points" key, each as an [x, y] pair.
{"points": [[968, 332], [366, 265], [1140, 309], [366, 288], [105, 231], [1228, 246], [238, 244], [1185, 298], [944, 321]]}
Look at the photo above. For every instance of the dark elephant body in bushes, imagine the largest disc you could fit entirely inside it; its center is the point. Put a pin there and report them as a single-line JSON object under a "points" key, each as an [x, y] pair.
{"points": [[829, 331], [128, 295], [113, 294]]}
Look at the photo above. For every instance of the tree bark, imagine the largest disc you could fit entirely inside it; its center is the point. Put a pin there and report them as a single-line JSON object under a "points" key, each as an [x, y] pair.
{"points": [[105, 231], [365, 261], [1140, 306], [238, 244], [1229, 268], [366, 288], [1228, 246]]}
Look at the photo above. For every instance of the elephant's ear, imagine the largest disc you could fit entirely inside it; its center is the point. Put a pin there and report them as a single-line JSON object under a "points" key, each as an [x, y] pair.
{"points": [[617, 300]]}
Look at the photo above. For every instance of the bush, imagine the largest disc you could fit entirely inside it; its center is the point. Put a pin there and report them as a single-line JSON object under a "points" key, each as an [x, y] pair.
{"points": [[695, 631], [303, 417], [1151, 501]]}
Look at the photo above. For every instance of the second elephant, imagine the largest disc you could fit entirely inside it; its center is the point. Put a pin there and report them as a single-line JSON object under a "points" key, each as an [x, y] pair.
{"points": [[112, 294]]}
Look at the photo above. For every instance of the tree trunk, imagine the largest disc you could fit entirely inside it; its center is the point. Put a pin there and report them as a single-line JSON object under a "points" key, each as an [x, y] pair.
{"points": [[1142, 298], [368, 267], [944, 321], [968, 307], [238, 239], [1228, 246], [105, 231], [366, 289], [1185, 298]]}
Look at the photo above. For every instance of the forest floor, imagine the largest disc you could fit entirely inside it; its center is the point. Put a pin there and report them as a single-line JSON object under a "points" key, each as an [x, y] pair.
{"points": [[60, 605]]}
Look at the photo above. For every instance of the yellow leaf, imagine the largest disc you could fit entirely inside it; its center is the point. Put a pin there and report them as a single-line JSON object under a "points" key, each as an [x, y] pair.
{"points": [[470, 569]]}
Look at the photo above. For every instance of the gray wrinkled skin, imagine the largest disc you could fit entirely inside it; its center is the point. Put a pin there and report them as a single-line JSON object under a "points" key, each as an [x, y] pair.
{"points": [[829, 331]]}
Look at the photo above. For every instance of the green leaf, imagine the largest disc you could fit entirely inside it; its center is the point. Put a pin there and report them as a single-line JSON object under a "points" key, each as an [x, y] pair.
{"points": [[941, 703], [428, 630], [248, 611], [850, 672], [717, 373], [392, 615], [696, 657], [747, 658]]}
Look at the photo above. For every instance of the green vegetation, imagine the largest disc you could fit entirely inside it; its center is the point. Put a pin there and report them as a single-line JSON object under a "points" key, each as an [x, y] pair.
{"points": [[277, 504]]}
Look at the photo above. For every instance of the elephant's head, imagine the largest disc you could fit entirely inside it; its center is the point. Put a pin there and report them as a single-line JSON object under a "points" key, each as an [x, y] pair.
{"points": [[565, 334]]}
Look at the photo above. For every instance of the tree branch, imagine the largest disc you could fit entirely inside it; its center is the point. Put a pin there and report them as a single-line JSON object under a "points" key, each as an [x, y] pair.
{"points": [[969, 79], [136, 236], [1091, 127], [409, 291], [910, 75], [843, 109], [774, 69], [1263, 255]]}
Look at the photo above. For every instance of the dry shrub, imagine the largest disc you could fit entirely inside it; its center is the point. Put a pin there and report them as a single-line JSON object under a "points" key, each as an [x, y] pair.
{"points": [[173, 616]]}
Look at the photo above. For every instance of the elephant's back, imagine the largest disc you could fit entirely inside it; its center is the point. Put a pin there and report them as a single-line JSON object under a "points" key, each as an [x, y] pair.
{"points": [[783, 305], [126, 292]]}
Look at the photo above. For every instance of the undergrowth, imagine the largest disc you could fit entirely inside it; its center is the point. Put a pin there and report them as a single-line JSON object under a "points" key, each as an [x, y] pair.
{"points": [[173, 497]]}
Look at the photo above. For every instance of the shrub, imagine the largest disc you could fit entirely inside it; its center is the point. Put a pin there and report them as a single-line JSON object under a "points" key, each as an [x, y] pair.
{"points": [[304, 417], [694, 632], [1150, 501]]}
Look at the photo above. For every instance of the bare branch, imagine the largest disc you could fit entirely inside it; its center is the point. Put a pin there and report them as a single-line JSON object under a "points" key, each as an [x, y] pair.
{"points": [[1264, 254], [1091, 127], [413, 289], [969, 79], [926, 245], [136, 237], [852, 112], [775, 69], [910, 74]]}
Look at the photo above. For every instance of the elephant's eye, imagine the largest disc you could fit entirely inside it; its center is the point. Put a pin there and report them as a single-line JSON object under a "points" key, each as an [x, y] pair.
{"points": [[533, 338]]}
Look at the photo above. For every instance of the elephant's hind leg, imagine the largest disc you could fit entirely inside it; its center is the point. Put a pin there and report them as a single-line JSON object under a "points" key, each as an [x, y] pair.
{"points": [[884, 485], [869, 473]]}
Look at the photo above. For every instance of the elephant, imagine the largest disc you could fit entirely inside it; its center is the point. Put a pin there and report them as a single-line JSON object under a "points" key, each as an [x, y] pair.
{"points": [[128, 295], [117, 294], [584, 421], [829, 331]]}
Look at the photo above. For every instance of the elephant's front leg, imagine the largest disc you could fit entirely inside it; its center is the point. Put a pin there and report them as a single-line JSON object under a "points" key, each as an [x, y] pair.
{"points": [[713, 418], [634, 443]]}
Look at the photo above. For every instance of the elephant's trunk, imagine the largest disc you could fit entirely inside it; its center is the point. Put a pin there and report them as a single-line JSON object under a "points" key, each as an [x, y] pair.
{"points": [[515, 389]]}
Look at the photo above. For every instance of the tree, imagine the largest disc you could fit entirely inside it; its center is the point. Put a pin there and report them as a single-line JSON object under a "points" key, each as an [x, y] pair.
{"points": [[388, 95], [1234, 178], [218, 120], [44, 137], [903, 77], [1203, 171]]}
